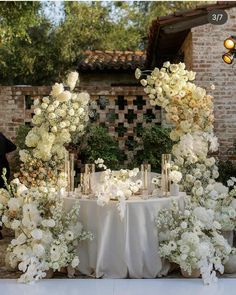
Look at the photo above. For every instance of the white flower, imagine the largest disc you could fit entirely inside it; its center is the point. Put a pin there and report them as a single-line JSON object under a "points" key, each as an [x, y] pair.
{"points": [[72, 79], [184, 249], [184, 225], [138, 73], [15, 224], [143, 82], [175, 176], [83, 97], [75, 262], [37, 234], [37, 111], [69, 235], [38, 250], [230, 182], [14, 204], [64, 96], [57, 89], [166, 64]]}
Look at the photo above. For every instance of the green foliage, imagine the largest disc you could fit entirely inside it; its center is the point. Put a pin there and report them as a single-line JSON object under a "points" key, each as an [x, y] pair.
{"points": [[98, 143], [16, 18], [226, 170], [21, 133], [154, 142], [36, 50]]}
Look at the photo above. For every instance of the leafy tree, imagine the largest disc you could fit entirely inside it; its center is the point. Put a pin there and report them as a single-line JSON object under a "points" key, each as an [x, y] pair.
{"points": [[36, 50], [16, 17]]}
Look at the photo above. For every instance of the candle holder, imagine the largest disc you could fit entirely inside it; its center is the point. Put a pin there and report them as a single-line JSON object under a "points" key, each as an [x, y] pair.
{"points": [[69, 171], [86, 178], [145, 175], [165, 173]]}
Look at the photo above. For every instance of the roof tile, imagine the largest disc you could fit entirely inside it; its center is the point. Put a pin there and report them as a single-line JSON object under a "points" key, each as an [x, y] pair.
{"points": [[112, 59]]}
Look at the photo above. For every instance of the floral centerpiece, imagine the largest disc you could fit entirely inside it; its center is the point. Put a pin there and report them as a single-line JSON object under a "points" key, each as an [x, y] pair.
{"points": [[116, 185]]}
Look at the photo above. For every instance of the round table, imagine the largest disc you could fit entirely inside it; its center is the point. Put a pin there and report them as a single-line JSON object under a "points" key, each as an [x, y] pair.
{"points": [[126, 247]]}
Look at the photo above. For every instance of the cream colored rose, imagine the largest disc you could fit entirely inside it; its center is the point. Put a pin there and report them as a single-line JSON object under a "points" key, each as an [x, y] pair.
{"points": [[57, 89], [64, 96], [72, 79]]}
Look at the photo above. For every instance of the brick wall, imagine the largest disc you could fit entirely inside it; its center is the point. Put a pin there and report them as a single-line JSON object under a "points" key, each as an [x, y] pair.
{"points": [[207, 49], [124, 110]]}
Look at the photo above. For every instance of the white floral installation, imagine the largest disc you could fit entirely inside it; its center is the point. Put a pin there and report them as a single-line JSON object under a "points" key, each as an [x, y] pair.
{"points": [[46, 235], [57, 118], [189, 109], [116, 185], [191, 240]]}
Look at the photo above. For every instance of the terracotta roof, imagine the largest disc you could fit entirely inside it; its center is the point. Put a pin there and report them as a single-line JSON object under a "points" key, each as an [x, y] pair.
{"points": [[111, 60], [167, 33]]}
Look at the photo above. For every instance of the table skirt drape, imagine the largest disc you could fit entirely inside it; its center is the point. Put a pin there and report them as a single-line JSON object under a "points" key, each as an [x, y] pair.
{"points": [[126, 247]]}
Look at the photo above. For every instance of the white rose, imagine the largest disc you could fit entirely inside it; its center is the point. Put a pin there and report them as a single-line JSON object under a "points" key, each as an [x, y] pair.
{"points": [[64, 96], [72, 128], [44, 105], [57, 89], [54, 129], [71, 112], [51, 116], [72, 79], [37, 111], [51, 223], [63, 124], [56, 104], [50, 108], [83, 97]]}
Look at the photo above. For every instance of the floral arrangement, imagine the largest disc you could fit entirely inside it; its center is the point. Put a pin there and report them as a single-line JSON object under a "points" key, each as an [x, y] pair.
{"points": [[46, 236], [189, 109], [116, 185], [191, 240], [56, 120]]}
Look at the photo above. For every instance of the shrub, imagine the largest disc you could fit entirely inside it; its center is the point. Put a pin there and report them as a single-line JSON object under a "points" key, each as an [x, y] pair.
{"points": [[154, 142], [98, 143]]}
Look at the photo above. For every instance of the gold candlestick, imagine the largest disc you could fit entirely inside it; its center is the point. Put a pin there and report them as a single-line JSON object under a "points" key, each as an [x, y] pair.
{"points": [[165, 171]]}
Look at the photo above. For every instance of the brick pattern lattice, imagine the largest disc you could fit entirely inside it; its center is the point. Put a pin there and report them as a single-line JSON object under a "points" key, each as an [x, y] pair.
{"points": [[124, 111]]}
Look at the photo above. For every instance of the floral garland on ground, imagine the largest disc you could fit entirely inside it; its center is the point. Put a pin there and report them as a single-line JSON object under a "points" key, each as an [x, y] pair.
{"points": [[46, 235], [190, 110]]}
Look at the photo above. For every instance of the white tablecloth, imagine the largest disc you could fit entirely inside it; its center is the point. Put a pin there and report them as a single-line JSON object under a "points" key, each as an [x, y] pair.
{"points": [[122, 248]]}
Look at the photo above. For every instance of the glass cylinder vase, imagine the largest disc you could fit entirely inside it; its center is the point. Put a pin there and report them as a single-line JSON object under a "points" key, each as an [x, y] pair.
{"points": [[165, 173], [145, 175], [89, 169], [72, 173]]}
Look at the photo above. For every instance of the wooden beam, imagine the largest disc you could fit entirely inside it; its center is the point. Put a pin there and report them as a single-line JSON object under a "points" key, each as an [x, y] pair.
{"points": [[185, 25]]}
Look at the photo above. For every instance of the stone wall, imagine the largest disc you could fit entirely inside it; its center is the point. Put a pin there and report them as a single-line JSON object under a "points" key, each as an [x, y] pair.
{"points": [[207, 44]]}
